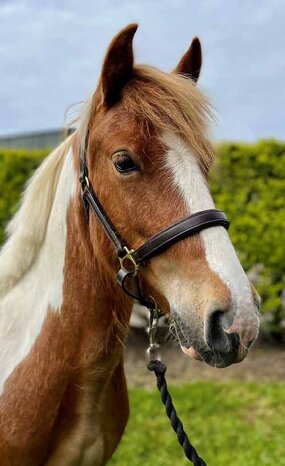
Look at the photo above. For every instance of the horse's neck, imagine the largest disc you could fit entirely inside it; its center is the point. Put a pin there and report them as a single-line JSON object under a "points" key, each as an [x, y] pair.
{"points": [[63, 280], [92, 299]]}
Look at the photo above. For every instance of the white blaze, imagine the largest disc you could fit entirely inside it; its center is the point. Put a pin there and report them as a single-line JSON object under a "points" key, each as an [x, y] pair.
{"points": [[219, 251]]}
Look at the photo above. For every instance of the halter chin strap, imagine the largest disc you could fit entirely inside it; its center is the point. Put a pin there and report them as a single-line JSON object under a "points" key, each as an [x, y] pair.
{"points": [[132, 260]]}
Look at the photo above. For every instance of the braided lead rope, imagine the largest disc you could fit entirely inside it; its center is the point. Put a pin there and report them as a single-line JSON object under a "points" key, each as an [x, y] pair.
{"points": [[159, 369]]}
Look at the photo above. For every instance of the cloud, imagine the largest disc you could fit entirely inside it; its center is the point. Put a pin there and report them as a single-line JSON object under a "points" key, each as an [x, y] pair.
{"points": [[51, 55]]}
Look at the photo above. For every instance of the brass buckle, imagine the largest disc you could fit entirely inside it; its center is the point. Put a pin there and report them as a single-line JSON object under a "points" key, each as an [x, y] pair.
{"points": [[129, 257], [84, 182]]}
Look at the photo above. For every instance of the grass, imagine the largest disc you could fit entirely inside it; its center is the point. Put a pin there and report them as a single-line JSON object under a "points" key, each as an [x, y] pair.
{"points": [[230, 423]]}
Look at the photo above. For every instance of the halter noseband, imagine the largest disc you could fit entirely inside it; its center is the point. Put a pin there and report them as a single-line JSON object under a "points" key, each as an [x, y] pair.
{"points": [[131, 260]]}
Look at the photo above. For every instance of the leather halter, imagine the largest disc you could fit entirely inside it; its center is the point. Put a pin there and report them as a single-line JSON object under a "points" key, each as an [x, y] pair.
{"points": [[131, 260]]}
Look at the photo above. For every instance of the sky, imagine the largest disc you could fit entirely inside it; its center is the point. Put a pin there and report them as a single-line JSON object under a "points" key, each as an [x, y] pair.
{"points": [[51, 54]]}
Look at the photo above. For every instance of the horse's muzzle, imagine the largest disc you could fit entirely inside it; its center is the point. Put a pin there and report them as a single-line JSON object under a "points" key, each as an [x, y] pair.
{"points": [[213, 345]]}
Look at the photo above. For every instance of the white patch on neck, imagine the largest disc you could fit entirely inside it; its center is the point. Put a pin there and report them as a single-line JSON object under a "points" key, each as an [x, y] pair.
{"points": [[24, 307], [219, 251]]}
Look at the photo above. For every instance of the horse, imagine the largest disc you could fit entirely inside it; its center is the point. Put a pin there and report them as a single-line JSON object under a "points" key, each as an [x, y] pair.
{"points": [[63, 318]]}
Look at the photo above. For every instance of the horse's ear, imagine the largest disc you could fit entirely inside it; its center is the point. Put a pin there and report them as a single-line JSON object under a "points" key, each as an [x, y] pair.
{"points": [[118, 65], [191, 62]]}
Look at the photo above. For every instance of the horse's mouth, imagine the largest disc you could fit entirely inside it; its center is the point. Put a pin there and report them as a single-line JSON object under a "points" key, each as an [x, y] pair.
{"points": [[192, 353], [214, 359]]}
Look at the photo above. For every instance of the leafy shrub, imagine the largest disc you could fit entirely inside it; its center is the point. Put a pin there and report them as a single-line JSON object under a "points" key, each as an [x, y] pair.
{"points": [[16, 166], [248, 183]]}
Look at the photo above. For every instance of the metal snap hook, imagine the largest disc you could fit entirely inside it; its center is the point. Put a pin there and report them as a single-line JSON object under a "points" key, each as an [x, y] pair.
{"points": [[153, 350]]}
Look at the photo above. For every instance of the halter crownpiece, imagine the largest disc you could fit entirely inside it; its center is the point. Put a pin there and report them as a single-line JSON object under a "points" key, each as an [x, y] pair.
{"points": [[132, 260]]}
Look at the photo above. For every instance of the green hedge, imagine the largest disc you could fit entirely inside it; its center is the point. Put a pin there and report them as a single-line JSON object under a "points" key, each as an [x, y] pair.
{"points": [[16, 166], [248, 182]]}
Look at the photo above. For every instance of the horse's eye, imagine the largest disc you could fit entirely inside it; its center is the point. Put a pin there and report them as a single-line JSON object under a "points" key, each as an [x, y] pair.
{"points": [[123, 163]]}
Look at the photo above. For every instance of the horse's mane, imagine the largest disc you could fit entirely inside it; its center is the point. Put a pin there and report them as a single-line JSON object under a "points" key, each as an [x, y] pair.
{"points": [[26, 231]]}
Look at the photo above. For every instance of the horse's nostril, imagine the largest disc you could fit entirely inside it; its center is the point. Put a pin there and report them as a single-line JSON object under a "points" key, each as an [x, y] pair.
{"points": [[215, 335]]}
